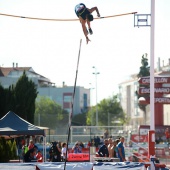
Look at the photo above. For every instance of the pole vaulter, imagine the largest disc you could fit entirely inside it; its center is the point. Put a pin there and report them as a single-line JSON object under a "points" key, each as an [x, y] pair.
{"points": [[53, 19], [82, 21]]}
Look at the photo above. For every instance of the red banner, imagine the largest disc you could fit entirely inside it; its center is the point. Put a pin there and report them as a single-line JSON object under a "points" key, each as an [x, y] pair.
{"points": [[139, 138], [162, 80], [160, 90], [160, 100]]}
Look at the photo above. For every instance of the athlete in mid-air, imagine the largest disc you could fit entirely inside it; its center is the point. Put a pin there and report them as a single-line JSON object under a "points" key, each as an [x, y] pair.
{"points": [[85, 16]]}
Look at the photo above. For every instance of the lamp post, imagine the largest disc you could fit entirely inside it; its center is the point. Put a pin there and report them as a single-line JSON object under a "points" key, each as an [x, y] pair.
{"points": [[96, 73], [91, 88]]}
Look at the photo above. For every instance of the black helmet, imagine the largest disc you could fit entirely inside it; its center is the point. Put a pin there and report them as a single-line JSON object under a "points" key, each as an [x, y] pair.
{"points": [[90, 17]]}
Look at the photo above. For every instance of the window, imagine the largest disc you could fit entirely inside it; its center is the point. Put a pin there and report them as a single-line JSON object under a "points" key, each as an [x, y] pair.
{"points": [[67, 98]]}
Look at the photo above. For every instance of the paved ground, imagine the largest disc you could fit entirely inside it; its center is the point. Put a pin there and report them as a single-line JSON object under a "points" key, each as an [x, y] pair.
{"points": [[26, 166], [17, 166]]}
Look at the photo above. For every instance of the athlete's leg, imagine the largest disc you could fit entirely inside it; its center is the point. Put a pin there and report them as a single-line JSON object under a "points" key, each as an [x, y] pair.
{"points": [[89, 27], [88, 23]]}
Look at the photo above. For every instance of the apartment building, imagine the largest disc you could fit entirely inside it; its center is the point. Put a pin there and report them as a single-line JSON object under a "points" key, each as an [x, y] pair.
{"points": [[129, 100], [62, 95]]}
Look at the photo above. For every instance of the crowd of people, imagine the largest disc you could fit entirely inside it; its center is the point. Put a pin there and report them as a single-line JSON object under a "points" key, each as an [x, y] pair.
{"points": [[31, 153], [108, 147], [113, 149]]}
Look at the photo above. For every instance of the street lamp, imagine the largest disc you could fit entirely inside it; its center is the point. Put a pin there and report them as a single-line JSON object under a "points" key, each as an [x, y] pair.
{"points": [[91, 88], [96, 73]]}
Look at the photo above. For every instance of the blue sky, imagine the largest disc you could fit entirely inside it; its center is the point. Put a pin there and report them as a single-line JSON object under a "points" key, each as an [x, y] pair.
{"points": [[51, 47]]}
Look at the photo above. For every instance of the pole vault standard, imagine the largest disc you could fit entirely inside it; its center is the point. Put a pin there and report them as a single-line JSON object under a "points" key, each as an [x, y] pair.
{"points": [[72, 104], [143, 20], [51, 19]]}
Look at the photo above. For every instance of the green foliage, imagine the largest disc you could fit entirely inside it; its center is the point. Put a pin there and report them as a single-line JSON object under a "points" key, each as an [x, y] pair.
{"points": [[109, 113], [144, 69], [49, 113], [79, 119], [19, 99], [2, 101], [25, 94], [7, 150], [6, 100]]}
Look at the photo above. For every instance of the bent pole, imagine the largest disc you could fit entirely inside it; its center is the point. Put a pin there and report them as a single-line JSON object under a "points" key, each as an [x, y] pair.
{"points": [[53, 19]]}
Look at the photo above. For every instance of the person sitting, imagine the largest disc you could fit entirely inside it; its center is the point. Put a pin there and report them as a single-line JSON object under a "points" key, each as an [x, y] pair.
{"points": [[39, 156], [77, 148], [30, 154]]}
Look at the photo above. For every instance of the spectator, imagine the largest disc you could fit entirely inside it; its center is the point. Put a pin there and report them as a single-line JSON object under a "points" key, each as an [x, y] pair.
{"points": [[55, 152], [116, 148], [103, 151], [88, 144], [97, 141], [30, 154], [101, 140], [111, 148], [167, 135], [81, 144], [121, 150], [77, 148], [63, 152], [59, 144], [106, 134], [31, 144], [39, 156]]}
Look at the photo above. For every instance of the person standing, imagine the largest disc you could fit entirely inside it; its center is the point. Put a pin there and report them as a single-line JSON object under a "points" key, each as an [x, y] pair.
{"points": [[111, 148], [85, 16], [167, 135], [103, 151], [63, 152], [106, 134], [31, 144], [116, 148], [121, 150]]}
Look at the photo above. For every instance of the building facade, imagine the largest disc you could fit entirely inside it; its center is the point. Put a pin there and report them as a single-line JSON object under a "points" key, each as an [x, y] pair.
{"points": [[129, 100], [62, 95]]}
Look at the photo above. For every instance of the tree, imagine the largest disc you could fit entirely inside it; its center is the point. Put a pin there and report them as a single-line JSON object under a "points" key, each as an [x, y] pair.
{"points": [[79, 119], [7, 101], [49, 113], [109, 112], [143, 72], [2, 101], [144, 69], [25, 93]]}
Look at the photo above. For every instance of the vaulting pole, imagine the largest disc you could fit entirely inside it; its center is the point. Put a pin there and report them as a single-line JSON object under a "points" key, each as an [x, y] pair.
{"points": [[72, 104]]}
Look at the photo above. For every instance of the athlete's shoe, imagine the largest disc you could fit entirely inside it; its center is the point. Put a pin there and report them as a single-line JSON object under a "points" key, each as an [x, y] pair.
{"points": [[90, 31]]}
